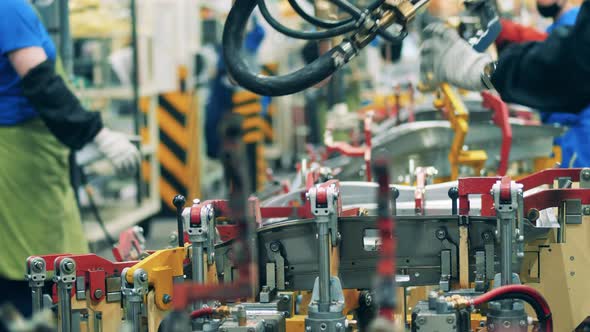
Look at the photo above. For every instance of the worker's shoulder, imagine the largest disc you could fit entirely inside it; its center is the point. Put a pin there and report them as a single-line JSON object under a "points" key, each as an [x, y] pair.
{"points": [[13, 9]]}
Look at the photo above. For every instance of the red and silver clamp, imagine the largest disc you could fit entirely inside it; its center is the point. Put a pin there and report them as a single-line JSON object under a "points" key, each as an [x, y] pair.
{"points": [[509, 205], [326, 206]]}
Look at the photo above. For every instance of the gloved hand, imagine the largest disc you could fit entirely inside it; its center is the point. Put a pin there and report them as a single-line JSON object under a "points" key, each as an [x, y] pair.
{"points": [[121, 153], [445, 57]]}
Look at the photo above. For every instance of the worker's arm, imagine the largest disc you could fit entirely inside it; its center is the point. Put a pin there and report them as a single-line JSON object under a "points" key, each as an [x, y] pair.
{"points": [[24, 42], [56, 104], [552, 75], [63, 114]]}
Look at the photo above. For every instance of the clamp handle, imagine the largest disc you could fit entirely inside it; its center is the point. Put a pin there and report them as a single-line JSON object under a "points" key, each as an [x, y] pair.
{"points": [[179, 201]]}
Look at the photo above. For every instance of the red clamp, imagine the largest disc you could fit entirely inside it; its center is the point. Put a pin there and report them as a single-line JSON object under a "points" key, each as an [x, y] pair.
{"points": [[93, 268], [501, 117], [357, 151], [131, 245], [544, 199]]}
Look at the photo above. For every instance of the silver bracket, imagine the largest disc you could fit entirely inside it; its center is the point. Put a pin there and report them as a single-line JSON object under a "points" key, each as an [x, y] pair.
{"points": [[336, 296], [585, 178], [480, 270], [65, 277], [445, 271], [36, 275], [489, 255], [280, 270], [113, 286], [80, 288]]}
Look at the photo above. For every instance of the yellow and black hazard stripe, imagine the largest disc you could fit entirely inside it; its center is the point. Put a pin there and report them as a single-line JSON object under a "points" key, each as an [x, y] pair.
{"points": [[177, 172], [248, 105]]}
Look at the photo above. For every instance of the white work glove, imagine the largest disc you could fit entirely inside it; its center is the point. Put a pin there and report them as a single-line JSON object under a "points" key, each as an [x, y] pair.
{"points": [[118, 150], [445, 57]]}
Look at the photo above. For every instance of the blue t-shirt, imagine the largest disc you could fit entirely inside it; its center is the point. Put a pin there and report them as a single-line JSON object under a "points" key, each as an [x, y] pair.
{"points": [[20, 27]]}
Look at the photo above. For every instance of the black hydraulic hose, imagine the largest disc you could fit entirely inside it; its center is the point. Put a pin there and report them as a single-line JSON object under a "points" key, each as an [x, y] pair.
{"points": [[307, 35], [233, 39], [317, 21], [331, 24]]}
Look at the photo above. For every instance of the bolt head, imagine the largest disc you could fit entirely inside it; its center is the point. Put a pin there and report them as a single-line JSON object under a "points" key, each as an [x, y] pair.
{"points": [[275, 246], [98, 293], [143, 277], [522, 323], [68, 266], [166, 298], [586, 174], [38, 265], [285, 298], [421, 321]]}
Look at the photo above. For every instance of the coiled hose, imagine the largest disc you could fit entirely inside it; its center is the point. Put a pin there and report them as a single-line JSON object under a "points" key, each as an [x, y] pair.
{"points": [[311, 74]]}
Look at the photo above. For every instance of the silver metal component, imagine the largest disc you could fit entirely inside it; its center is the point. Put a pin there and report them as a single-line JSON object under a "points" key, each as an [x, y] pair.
{"points": [[36, 275], [445, 270], [326, 214], [80, 288], [434, 315], [573, 211], [324, 266], [326, 320], [507, 213], [507, 316], [134, 296], [585, 178], [113, 289], [481, 283], [65, 277]]}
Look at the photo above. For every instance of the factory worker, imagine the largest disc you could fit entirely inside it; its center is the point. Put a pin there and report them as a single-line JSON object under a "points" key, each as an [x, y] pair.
{"points": [[551, 75], [575, 142], [40, 122]]}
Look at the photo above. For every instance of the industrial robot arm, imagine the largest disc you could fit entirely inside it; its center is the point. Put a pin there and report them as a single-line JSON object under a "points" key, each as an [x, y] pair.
{"points": [[365, 26]]}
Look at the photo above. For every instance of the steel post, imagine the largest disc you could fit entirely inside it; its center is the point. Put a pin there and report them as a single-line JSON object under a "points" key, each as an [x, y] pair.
{"points": [[506, 229], [65, 277], [324, 266], [197, 268]]}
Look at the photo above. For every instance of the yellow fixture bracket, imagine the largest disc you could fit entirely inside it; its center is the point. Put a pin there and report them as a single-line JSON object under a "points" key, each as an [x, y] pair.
{"points": [[161, 267], [448, 100]]}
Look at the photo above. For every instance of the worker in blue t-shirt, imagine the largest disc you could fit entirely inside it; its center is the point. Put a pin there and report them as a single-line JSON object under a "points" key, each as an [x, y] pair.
{"points": [[40, 122], [575, 148]]}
